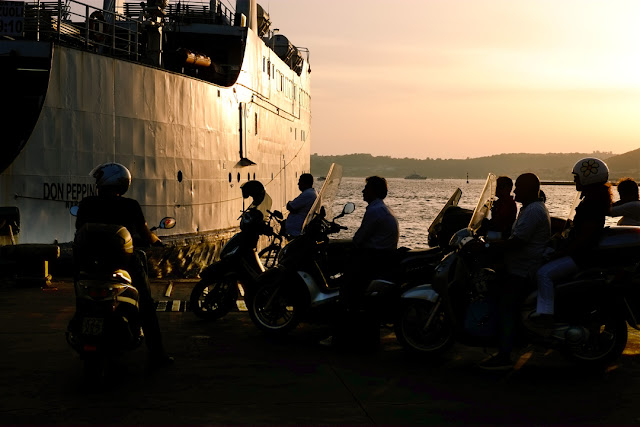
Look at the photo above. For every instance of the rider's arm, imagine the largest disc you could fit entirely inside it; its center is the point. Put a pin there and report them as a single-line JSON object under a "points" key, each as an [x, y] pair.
{"points": [[147, 236], [296, 204], [367, 228]]}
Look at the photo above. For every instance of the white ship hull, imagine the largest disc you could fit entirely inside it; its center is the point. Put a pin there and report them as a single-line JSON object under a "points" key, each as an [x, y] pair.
{"points": [[182, 138]]}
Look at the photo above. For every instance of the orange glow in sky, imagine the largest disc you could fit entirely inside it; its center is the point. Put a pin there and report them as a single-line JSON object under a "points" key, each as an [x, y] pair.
{"points": [[469, 78]]}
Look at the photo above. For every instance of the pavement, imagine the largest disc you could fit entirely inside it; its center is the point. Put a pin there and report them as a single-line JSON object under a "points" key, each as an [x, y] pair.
{"points": [[228, 373]]}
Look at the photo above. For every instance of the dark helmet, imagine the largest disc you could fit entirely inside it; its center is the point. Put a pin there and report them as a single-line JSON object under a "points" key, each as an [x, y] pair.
{"points": [[253, 189], [107, 245], [112, 176]]}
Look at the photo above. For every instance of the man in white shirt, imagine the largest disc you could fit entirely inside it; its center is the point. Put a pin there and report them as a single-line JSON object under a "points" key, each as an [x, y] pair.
{"points": [[523, 255], [300, 206], [375, 242], [379, 227], [628, 207]]}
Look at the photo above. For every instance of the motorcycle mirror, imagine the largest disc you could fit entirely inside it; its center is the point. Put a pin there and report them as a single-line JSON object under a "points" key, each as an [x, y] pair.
{"points": [[74, 210], [348, 208], [167, 223]]}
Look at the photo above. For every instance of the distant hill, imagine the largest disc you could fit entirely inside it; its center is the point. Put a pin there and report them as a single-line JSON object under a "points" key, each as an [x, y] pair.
{"points": [[623, 165], [550, 166]]}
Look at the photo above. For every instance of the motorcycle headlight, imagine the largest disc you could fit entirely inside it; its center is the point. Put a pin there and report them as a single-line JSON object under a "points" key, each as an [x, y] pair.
{"points": [[460, 238]]}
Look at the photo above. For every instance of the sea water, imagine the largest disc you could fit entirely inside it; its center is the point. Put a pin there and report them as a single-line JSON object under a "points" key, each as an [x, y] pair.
{"points": [[417, 202]]}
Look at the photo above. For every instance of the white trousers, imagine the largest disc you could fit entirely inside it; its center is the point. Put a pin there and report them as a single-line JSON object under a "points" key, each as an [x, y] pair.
{"points": [[546, 276]]}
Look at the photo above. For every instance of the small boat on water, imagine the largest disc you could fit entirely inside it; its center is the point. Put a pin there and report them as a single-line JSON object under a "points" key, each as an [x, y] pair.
{"points": [[195, 98], [415, 176]]}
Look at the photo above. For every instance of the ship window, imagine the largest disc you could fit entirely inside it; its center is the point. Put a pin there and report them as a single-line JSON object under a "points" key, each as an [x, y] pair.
{"points": [[218, 93], [238, 176], [254, 175], [248, 177], [179, 176], [229, 176], [256, 124]]}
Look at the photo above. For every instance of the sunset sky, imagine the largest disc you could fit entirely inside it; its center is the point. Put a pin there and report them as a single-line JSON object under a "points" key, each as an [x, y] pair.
{"points": [[469, 78]]}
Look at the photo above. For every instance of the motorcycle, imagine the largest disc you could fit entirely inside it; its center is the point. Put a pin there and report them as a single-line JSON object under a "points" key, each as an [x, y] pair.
{"points": [[305, 286], [107, 318], [592, 308], [234, 274], [306, 280]]}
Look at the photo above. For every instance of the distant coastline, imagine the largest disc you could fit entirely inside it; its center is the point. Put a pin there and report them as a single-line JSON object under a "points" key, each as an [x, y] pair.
{"points": [[549, 167]]}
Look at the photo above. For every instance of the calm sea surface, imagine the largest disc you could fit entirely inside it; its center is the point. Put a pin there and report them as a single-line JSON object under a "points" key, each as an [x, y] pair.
{"points": [[417, 202]]}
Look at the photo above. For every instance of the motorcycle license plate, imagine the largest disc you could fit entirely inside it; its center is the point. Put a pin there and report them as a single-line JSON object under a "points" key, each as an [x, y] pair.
{"points": [[92, 325]]}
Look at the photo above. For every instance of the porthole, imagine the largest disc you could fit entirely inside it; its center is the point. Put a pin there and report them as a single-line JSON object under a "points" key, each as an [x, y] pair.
{"points": [[179, 176], [248, 177], [254, 175], [229, 176], [238, 176]]}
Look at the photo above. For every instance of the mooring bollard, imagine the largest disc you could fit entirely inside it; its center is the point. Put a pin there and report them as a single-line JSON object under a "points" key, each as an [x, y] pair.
{"points": [[31, 262]]}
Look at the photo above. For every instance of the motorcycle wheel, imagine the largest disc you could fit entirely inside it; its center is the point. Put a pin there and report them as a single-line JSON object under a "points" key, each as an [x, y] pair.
{"points": [[212, 299], [274, 310], [607, 340], [410, 329]]}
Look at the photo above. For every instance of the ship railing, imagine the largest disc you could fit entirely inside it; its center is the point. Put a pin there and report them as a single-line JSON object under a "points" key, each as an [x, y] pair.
{"points": [[191, 12], [80, 25]]}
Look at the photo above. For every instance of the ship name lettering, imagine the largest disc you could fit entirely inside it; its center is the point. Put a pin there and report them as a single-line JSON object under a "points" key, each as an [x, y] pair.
{"points": [[67, 191]]}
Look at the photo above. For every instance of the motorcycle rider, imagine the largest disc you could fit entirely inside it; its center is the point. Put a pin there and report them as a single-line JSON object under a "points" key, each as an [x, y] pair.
{"points": [[109, 207], [628, 207], [504, 209], [524, 250], [591, 177], [375, 241], [300, 206]]}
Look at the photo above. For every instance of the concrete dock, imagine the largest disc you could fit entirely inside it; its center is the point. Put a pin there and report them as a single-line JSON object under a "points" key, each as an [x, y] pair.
{"points": [[226, 372]]}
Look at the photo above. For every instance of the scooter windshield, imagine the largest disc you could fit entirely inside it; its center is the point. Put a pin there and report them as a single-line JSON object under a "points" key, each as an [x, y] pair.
{"points": [[574, 205], [453, 201], [327, 194], [483, 208]]}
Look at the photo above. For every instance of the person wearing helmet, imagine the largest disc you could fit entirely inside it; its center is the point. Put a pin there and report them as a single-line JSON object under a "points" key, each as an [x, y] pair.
{"points": [[300, 206], [591, 176], [110, 207]]}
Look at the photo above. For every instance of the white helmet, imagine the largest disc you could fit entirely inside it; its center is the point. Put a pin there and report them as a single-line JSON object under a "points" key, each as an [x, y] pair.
{"points": [[591, 171], [113, 176]]}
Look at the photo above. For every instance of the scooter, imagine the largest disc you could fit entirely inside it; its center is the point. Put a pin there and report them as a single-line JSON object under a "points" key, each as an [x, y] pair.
{"points": [[107, 318], [592, 309], [234, 274], [306, 280]]}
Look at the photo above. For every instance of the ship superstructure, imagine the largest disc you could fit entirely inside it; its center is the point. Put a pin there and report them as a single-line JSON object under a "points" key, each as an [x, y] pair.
{"points": [[194, 98]]}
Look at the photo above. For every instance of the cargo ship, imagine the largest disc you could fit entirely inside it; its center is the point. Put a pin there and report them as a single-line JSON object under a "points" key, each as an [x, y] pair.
{"points": [[194, 98]]}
